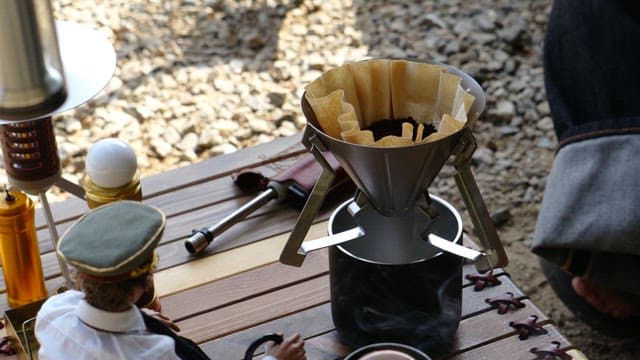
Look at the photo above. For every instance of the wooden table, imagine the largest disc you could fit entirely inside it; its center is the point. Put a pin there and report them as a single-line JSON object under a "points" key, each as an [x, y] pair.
{"points": [[238, 290]]}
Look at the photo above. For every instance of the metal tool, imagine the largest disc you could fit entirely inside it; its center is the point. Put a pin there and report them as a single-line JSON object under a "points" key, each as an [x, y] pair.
{"points": [[293, 186]]}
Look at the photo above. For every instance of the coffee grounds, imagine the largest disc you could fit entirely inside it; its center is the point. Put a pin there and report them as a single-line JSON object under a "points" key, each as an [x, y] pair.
{"points": [[387, 127]]}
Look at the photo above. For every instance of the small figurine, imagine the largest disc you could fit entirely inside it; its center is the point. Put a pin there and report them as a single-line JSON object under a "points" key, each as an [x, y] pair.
{"points": [[112, 248]]}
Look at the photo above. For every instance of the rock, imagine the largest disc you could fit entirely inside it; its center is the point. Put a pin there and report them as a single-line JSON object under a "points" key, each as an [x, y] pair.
{"points": [[483, 155], [507, 130], [543, 108], [67, 150], [161, 148], [72, 125], [545, 124], [224, 85], [503, 111], [222, 149], [501, 216], [484, 22], [277, 99], [189, 142], [435, 20], [171, 135], [260, 126], [514, 31], [531, 116], [546, 143]]}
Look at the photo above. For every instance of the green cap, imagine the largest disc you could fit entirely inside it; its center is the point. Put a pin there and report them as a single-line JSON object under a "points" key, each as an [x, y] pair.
{"points": [[114, 241]]}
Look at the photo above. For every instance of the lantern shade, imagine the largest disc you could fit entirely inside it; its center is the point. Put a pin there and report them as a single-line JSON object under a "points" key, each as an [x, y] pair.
{"points": [[88, 59], [31, 74]]}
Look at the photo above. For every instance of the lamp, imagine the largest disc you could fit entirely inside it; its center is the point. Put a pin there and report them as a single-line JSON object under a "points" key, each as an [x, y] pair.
{"points": [[46, 67], [111, 163], [112, 173]]}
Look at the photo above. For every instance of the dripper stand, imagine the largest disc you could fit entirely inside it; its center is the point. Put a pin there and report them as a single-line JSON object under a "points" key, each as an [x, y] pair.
{"points": [[395, 181], [492, 255]]}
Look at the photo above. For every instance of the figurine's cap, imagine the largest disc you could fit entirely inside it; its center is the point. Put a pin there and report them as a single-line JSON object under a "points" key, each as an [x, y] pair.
{"points": [[115, 241]]}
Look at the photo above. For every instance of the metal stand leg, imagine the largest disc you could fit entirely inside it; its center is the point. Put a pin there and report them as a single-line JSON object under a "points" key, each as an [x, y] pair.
{"points": [[71, 187], [53, 232], [495, 254]]}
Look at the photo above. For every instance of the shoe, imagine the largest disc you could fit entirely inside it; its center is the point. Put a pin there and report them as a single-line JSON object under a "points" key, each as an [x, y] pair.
{"points": [[560, 282]]}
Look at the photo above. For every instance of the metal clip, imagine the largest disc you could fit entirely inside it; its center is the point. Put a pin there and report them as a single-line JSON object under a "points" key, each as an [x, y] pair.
{"points": [[528, 327], [550, 352], [464, 149], [481, 281], [504, 302]]}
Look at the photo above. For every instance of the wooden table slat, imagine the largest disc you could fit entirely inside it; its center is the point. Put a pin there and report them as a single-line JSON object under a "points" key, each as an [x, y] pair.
{"points": [[242, 286], [513, 348], [488, 326], [308, 323], [220, 166], [473, 302], [256, 310]]}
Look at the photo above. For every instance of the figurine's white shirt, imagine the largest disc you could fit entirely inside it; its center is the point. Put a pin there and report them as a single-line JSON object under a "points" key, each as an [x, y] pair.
{"points": [[67, 327]]}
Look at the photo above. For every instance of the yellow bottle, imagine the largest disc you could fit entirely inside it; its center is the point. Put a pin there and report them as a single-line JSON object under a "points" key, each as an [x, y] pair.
{"points": [[21, 263]]}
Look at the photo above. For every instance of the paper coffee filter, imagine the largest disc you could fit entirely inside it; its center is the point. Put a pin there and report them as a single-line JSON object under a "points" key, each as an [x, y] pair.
{"points": [[339, 78], [328, 109], [413, 89], [348, 99], [373, 82]]}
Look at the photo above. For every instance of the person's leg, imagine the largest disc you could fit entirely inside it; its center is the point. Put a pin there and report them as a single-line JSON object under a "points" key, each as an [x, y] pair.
{"points": [[618, 304], [591, 57], [589, 222], [561, 282]]}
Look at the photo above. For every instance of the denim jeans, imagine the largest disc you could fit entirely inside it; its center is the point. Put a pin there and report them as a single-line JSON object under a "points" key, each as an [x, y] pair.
{"points": [[589, 221]]}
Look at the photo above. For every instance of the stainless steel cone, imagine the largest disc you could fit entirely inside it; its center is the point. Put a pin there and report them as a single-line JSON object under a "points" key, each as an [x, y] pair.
{"points": [[392, 179]]}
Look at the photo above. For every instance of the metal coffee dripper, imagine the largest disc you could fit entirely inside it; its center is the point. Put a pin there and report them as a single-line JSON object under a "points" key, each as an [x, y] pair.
{"points": [[393, 183]]}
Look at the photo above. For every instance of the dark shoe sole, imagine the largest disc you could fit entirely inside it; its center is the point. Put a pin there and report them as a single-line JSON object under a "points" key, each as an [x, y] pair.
{"points": [[560, 282]]}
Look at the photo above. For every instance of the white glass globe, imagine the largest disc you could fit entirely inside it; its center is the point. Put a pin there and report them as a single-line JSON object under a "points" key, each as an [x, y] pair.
{"points": [[111, 163]]}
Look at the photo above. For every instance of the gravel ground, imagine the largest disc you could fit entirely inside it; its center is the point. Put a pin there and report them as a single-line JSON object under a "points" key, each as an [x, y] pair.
{"points": [[196, 79]]}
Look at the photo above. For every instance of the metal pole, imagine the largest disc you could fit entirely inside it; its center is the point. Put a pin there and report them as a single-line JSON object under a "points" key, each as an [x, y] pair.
{"points": [[53, 232]]}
